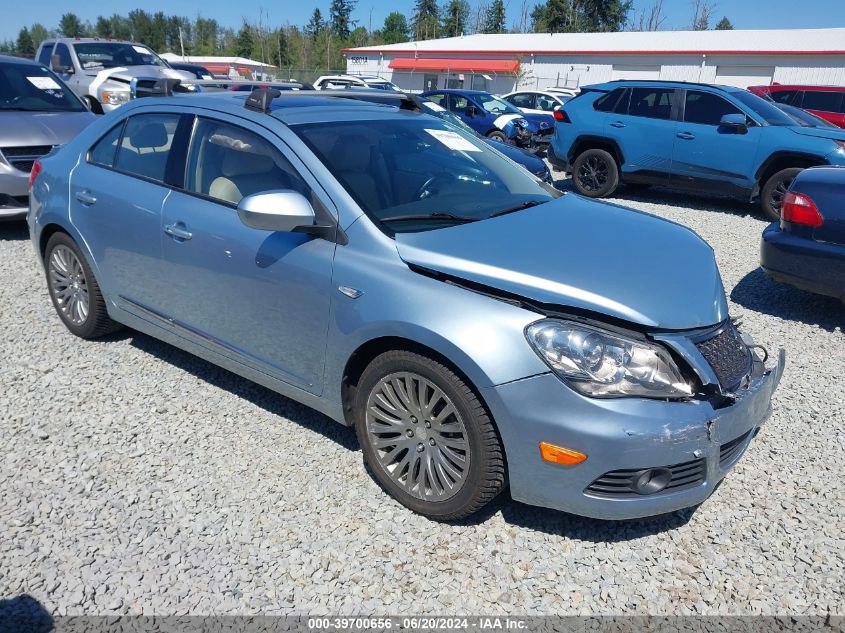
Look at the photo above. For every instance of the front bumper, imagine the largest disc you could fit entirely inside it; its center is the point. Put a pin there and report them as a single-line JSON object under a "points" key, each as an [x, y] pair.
{"points": [[817, 267], [623, 433], [14, 192]]}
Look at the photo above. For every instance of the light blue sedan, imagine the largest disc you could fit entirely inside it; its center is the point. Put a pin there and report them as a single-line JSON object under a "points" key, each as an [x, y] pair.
{"points": [[476, 326]]}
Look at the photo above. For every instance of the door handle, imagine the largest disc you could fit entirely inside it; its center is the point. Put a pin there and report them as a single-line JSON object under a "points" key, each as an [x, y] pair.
{"points": [[85, 197], [685, 135], [617, 124], [177, 231]]}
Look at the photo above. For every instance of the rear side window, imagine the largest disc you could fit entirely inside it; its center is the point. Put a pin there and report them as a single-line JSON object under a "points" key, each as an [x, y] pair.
{"points": [[522, 100], [822, 100], [105, 150], [707, 108], [146, 145], [227, 163], [45, 54], [612, 101], [783, 96], [652, 103]]}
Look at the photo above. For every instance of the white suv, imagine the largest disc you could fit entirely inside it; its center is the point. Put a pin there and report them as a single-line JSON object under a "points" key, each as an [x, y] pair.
{"points": [[332, 82]]}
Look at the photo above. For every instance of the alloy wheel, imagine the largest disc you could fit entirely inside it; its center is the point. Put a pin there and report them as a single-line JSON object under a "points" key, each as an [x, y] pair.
{"points": [[418, 436], [68, 284], [593, 173], [778, 192]]}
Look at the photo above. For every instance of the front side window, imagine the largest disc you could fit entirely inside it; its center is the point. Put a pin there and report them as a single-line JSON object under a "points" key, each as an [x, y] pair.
{"points": [[64, 56], [228, 163], [439, 99], [822, 100], [494, 105], [706, 108], [459, 104], [104, 151], [418, 173], [522, 100], [146, 145], [32, 88], [652, 103], [547, 103]]}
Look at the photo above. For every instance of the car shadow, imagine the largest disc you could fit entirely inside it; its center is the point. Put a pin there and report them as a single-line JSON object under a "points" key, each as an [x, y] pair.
{"points": [[24, 614], [243, 388], [13, 231], [757, 291]]}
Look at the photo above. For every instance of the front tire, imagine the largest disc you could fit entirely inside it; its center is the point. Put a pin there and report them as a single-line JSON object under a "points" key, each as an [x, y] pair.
{"points": [[426, 438], [74, 290], [771, 198], [595, 173], [498, 136]]}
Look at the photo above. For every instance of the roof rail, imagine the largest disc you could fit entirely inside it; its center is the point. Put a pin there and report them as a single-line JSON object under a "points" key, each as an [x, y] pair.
{"points": [[260, 99], [665, 81]]}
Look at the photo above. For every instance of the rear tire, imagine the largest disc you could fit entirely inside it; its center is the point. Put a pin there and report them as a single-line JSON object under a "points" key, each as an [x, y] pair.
{"points": [[771, 197], [74, 290], [595, 173], [426, 438]]}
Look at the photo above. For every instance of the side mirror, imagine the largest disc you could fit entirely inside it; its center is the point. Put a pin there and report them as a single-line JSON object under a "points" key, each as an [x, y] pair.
{"points": [[735, 122], [280, 210], [56, 66]]}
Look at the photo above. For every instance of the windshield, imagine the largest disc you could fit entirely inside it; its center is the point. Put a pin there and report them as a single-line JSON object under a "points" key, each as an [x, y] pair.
{"points": [[804, 118], [26, 87], [94, 55], [763, 109], [494, 105], [417, 173]]}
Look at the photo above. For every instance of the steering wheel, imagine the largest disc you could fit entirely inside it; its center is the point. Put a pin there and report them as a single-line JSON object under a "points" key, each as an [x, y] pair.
{"points": [[425, 189]]}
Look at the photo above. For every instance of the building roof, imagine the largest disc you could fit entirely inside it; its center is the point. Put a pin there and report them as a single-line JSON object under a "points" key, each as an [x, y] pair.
{"points": [[755, 42], [203, 60]]}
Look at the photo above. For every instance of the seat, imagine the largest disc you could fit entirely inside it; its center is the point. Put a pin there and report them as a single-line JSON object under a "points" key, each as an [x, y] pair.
{"points": [[352, 156], [151, 142], [245, 173]]}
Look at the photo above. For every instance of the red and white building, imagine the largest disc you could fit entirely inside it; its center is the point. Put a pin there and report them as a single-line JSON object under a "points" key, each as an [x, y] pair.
{"points": [[501, 63], [225, 67]]}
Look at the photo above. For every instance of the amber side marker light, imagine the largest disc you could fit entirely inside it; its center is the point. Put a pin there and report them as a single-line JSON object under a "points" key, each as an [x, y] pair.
{"points": [[560, 455]]}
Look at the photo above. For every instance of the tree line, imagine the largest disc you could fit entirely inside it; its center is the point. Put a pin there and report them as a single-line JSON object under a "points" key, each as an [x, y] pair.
{"points": [[318, 43]]}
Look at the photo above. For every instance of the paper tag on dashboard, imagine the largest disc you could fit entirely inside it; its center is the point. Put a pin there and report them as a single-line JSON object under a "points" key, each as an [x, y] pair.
{"points": [[142, 50], [44, 83], [453, 140], [434, 106]]}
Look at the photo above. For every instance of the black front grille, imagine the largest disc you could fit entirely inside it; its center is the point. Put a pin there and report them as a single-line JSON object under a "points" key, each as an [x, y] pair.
{"points": [[620, 483], [728, 356], [730, 451], [22, 158]]}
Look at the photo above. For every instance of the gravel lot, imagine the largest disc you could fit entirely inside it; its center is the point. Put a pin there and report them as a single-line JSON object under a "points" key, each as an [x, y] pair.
{"points": [[135, 478]]}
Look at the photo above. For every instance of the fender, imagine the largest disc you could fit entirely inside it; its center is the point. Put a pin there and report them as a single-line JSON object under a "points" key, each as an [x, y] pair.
{"points": [[802, 157], [592, 138]]}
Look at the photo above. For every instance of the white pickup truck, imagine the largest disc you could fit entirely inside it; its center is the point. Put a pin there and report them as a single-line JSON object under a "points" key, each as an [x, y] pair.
{"points": [[100, 71]]}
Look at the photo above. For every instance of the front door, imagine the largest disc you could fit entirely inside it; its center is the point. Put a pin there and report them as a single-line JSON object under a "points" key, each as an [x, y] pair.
{"points": [[260, 297]]}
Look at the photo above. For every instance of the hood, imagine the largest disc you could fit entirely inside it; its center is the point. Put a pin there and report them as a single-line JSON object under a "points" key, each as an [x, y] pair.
{"points": [[518, 155], [23, 129], [126, 73], [830, 133], [586, 255]]}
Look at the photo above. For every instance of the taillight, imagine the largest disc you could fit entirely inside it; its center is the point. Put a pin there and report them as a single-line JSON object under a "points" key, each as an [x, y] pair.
{"points": [[33, 174], [561, 116], [800, 209]]}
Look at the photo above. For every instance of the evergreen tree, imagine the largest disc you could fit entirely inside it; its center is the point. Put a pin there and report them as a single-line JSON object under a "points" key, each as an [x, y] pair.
{"points": [[455, 16], [395, 28], [340, 17], [495, 19], [25, 45], [315, 25], [38, 33], [724, 25], [426, 19], [103, 27], [70, 26], [245, 41], [580, 16]]}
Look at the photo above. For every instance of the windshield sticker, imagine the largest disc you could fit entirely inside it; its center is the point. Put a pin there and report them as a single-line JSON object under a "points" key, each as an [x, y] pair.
{"points": [[453, 140], [44, 83], [142, 50]]}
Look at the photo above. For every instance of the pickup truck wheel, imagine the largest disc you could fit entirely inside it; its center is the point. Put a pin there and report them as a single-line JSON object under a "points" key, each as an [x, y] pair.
{"points": [[94, 105], [495, 135], [426, 438], [771, 198], [74, 289], [595, 173]]}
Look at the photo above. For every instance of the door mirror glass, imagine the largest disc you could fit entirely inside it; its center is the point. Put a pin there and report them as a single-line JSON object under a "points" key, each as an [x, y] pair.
{"points": [[736, 122], [280, 210]]}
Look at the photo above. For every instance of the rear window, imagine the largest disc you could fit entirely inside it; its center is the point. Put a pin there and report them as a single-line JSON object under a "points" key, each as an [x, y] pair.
{"points": [[822, 100]]}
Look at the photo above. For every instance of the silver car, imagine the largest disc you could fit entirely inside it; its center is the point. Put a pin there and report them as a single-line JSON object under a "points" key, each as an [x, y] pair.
{"points": [[37, 113]]}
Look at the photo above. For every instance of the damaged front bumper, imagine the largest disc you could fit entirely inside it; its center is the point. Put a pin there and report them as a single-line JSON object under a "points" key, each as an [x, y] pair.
{"points": [[694, 443]]}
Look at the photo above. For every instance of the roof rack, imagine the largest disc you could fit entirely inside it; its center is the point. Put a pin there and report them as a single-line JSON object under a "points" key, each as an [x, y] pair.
{"points": [[155, 87], [260, 99], [665, 81]]}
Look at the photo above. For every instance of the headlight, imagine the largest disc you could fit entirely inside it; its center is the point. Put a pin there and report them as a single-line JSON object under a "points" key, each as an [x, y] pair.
{"points": [[115, 97], [599, 363]]}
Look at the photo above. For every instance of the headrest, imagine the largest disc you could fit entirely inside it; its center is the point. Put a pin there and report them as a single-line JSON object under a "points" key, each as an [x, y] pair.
{"points": [[152, 134], [245, 164], [351, 153]]}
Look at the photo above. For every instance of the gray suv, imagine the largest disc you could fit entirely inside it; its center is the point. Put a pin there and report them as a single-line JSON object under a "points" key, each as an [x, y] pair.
{"points": [[37, 113]]}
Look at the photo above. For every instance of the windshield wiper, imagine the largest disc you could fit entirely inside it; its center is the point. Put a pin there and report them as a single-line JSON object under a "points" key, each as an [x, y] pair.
{"points": [[524, 205], [438, 216]]}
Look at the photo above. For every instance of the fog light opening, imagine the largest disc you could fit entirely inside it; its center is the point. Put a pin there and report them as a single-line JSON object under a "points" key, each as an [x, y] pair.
{"points": [[651, 481]]}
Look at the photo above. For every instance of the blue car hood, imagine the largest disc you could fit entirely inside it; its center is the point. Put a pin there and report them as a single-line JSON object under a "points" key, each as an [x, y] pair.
{"points": [[587, 255], [831, 133]]}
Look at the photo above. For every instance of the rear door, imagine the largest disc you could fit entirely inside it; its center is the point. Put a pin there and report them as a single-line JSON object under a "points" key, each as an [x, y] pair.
{"points": [[827, 104], [709, 156], [643, 127]]}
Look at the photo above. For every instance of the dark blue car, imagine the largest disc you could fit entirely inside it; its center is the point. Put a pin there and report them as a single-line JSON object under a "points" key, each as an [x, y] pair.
{"points": [[806, 248], [495, 118]]}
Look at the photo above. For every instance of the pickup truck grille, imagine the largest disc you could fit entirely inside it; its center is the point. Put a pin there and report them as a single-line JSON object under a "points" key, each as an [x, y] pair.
{"points": [[22, 158], [728, 356]]}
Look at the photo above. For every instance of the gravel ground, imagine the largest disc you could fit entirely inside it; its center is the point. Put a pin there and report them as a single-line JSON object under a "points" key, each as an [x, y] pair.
{"points": [[135, 478]]}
